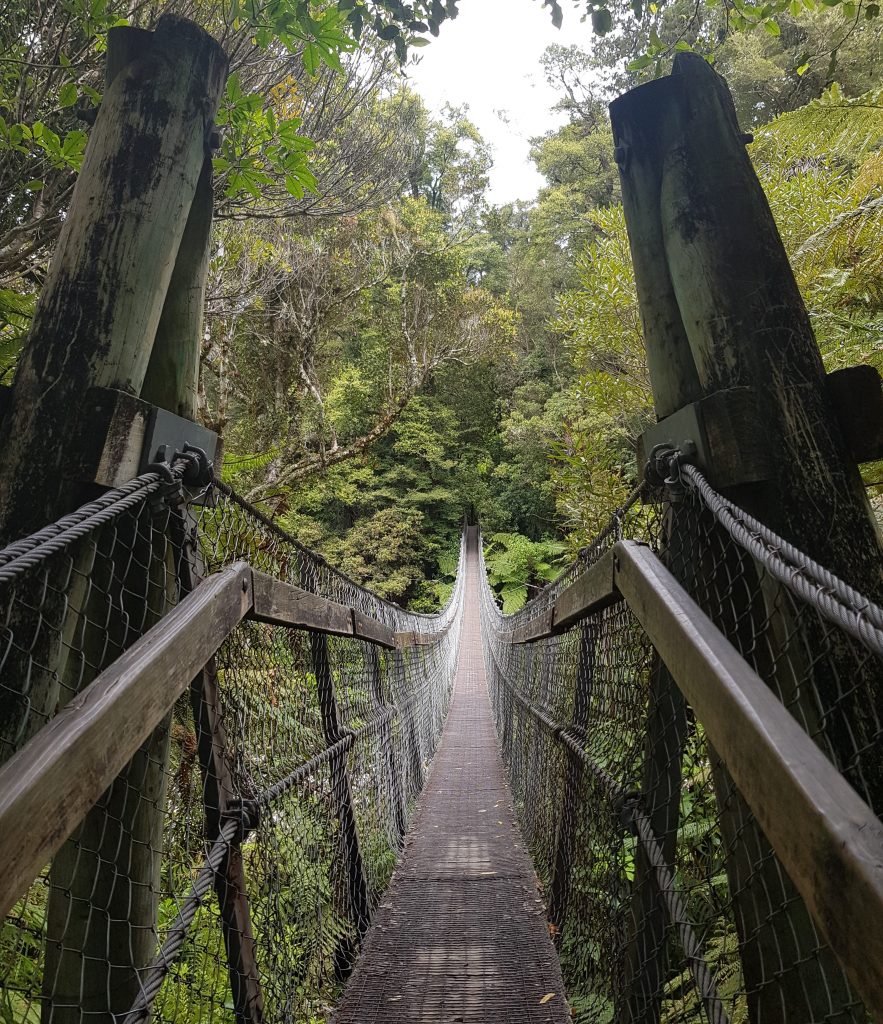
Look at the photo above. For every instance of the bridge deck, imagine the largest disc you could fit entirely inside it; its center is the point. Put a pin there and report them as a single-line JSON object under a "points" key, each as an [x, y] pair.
{"points": [[461, 935]]}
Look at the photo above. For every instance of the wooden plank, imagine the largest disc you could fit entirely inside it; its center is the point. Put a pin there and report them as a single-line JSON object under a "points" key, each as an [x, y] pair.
{"points": [[827, 838], [282, 604], [537, 629], [49, 785], [366, 628], [416, 639], [590, 592]]}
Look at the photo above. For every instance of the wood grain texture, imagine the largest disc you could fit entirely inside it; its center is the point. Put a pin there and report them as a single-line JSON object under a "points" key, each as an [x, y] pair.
{"points": [[826, 837], [282, 604], [98, 311], [414, 639], [372, 630], [592, 590], [49, 785]]}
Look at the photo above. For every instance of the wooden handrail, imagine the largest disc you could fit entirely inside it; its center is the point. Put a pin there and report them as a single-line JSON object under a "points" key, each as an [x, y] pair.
{"points": [[591, 591], [48, 786], [827, 838], [283, 604]]}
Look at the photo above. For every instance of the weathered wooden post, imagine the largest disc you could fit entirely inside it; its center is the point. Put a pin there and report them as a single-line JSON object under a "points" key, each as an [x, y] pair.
{"points": [[101, 305], [559, 887], [726, 329], [385, 738], [357, 904], [94, 328]]}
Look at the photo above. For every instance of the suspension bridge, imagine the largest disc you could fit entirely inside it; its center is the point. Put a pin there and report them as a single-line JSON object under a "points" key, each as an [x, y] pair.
{"points": [[236, 786], [239, 786]]}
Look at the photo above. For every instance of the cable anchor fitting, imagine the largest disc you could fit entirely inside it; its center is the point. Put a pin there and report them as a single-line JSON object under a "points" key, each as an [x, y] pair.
{"points": [[663, 469], [246, 814]]}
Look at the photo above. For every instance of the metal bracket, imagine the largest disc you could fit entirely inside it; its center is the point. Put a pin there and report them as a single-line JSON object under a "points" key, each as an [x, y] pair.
{"points": [[168, 437], [719, 434], [124, 436]]}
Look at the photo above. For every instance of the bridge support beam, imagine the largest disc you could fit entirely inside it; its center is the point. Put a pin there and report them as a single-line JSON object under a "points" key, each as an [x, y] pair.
{"points": [[94, 327], [356, 901], [721, 310]]}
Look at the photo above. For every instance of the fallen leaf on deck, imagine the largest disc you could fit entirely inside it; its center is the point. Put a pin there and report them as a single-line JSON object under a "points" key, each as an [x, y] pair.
{"points": [[547, 997]]}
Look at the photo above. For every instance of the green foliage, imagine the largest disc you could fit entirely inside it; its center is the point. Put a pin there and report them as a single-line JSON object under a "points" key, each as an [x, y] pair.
{"points": [[643, 24], [16, 310], [518, 567], [257, 147], [822, 169]]}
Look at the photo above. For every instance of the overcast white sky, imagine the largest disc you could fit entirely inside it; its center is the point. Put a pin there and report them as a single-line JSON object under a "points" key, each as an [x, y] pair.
{"points": [[489, 58]]}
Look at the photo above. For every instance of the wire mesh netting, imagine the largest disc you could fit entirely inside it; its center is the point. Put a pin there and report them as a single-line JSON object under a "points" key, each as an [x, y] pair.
{"points": [[231, 870], [665, 898]]}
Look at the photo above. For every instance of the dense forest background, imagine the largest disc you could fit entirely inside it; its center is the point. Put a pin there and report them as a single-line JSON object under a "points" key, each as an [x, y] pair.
{"points": [[385, 350]]}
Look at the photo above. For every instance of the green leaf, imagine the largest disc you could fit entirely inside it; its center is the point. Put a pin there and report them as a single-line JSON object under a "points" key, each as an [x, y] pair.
{"points": [[34, 186], [872, 11], [311, 58], [772, 28], [802, 69], [294, 186], [602, 21], [67, 95], [557, 14], [641, 62]]}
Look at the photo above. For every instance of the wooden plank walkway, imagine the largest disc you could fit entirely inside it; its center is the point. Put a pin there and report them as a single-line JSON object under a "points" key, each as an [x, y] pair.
{"points": [[461, 934]]}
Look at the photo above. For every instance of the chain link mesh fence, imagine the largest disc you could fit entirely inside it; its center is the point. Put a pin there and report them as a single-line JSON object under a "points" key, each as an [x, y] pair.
{"points": [[231, 870], [665, 898]]}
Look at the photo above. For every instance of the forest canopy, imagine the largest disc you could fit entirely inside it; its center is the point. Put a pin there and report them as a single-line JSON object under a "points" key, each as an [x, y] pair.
{"points": [[386, 350]]}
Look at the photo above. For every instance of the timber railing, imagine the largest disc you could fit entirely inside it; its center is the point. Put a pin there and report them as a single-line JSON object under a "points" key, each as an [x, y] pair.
{"points": [[212, 747], [708, 849]]}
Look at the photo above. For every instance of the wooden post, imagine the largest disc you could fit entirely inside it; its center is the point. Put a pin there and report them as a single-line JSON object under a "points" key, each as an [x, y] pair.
{"points": [[230, 882], [737, 307], [647, 925], [385, 734], [100, 307], [559, 888], [342, 797], [219, 790], [358, 905], [94, 327], [412, 728], [172, 377]]}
